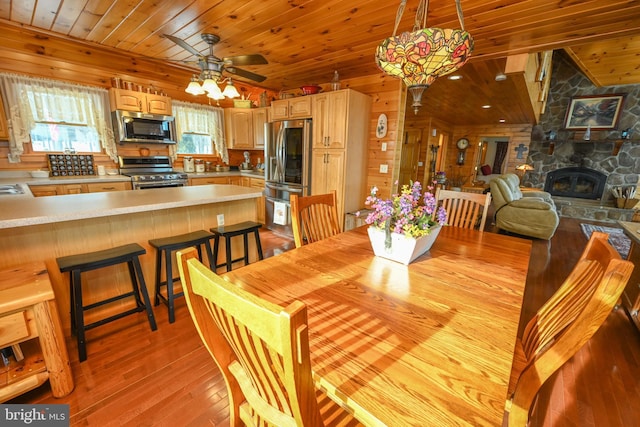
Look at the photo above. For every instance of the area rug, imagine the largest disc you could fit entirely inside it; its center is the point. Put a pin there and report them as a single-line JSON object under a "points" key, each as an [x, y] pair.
{"points": [[616, 237]]}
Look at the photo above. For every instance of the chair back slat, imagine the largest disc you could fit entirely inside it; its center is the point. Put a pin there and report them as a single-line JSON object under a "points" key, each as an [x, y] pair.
{"points": [[314, 218], [261, 348], [567, 321], [465, 210]]}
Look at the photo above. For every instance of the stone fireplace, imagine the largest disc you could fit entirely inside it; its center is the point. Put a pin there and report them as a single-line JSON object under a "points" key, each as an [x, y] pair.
{"points": [[579, 182]]}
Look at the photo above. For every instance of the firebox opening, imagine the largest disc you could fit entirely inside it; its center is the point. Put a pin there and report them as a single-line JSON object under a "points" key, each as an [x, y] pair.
{"points": [[579, 182]]}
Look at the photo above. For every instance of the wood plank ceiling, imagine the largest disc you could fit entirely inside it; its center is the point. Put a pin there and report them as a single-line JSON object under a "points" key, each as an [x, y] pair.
{"points": [[306, 40]]}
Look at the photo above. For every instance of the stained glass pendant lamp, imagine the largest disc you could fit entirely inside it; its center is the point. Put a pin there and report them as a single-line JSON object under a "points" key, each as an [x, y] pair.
{"points": [[424, 54]]}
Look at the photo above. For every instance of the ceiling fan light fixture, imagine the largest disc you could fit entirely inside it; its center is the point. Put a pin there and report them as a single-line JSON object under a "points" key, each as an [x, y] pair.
{"points": [[210, 85], [230, 90], [194, 87]]}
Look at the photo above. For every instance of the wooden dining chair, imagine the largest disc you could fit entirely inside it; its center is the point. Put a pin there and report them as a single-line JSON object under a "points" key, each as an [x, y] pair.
{"points": [[262, 350], [565, 323], [314, 218], [466, 210]]}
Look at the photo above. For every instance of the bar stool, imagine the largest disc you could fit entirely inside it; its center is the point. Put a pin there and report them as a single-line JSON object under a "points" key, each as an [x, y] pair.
{"points": [[241, 229], [167, 245], [77, 264]]}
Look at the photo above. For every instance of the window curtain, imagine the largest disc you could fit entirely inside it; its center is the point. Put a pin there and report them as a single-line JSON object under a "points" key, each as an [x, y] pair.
{"points": [[31, 99], [501, 154], [202, 119]]}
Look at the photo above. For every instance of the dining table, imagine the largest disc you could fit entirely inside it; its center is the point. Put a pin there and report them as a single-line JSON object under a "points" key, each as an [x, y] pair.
{"points": [[425, 344]]}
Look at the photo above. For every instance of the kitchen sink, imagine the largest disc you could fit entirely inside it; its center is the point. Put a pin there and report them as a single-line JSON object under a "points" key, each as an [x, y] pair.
{"points": [[11, 189]]}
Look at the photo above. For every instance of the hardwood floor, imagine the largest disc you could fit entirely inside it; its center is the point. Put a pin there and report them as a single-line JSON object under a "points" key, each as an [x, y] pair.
{"points": [[137, 377]]}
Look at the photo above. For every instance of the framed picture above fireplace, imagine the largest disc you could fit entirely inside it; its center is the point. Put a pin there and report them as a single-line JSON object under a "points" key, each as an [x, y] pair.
{"points": [[600, 112]]}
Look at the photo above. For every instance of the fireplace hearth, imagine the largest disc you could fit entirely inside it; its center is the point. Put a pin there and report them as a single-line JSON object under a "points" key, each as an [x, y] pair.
{"points": [[578, 182]]}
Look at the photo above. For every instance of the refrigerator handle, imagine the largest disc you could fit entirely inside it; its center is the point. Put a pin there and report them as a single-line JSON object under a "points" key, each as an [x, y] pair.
{"points": [[280, 154]]}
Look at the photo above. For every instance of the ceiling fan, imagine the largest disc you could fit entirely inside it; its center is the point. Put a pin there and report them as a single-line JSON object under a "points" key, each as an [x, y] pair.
{"points": [[213, 67]]}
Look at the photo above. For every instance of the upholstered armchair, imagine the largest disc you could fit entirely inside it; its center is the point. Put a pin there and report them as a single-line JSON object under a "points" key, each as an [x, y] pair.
{"points": [[530, 212]]}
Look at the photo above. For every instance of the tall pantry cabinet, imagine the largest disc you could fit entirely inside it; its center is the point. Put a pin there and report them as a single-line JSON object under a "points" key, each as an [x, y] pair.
{"points": [[339, 147]]}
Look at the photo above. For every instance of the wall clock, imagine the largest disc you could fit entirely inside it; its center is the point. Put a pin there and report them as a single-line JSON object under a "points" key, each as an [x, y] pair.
{"points": [[381, 128], [463, 143]]}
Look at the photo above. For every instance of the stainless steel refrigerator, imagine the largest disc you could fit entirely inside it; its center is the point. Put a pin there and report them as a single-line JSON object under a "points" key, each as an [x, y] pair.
{"points": [[287, 154]]}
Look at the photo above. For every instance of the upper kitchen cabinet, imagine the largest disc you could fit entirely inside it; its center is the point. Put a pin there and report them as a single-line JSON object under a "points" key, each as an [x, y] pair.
{"points": [[294, 108], [4, 129], [329, 126], [339, 154], [244, 127], [129, 100]]}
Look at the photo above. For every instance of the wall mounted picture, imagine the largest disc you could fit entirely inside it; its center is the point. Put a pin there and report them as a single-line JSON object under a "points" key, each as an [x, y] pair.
{"points": [[599, 112]]}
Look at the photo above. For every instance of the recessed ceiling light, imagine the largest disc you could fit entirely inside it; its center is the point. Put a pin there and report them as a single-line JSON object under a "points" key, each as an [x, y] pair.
{"points": [[454, 77], [502, 120], [486, 106], [501, 77]]}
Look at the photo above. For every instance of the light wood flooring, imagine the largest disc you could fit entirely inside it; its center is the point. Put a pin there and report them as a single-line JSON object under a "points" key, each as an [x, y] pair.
{"points": [[136, 377]]}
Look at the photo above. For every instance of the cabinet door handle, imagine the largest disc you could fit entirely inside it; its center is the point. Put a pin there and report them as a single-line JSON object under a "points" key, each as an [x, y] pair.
{"points": [[140, 105]]}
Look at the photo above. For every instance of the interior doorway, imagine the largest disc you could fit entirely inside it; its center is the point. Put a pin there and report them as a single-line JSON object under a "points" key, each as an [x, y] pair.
{"points": [[410, 157]]}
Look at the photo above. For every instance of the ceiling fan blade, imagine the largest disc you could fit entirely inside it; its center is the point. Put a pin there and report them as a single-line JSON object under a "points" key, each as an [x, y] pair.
{"points": [[183, 44], [246, 74], [255, 59]]}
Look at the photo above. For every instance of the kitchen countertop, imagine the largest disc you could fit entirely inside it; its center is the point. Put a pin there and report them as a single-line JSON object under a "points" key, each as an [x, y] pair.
{"points": [[25, 210], [24, 180]]}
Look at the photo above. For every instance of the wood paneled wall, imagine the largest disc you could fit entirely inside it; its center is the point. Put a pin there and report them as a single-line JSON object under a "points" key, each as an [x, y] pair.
{"points": [[519, 136]]}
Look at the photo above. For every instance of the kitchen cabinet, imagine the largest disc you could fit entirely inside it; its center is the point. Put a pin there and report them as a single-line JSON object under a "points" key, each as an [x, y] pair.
{"points": [[261, 204], [260, 117], [244, 127], [129, 100], [57, 189], [29, 321], [209, 180], [340, 133], [4, 129], [108, 186], [62, 189], [329, 126], [294, 108], [238, 126]]}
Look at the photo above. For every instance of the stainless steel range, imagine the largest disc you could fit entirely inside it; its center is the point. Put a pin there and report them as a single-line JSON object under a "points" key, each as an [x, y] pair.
{"points": [[151, 172]]}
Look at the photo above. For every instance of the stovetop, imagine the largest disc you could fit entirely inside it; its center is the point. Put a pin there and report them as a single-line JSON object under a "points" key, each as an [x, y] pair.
{"points": [[150, 169]]}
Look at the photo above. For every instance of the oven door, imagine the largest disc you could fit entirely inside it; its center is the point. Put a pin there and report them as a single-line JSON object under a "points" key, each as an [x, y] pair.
{"points": [[158, 184]]}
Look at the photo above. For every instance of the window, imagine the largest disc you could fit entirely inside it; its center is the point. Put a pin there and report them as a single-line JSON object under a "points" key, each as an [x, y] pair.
{"points": [[200, 129], [56, 116]]}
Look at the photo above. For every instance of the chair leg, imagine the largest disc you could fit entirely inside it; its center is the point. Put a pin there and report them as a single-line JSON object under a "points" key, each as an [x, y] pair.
{"points": [[227, 242], [216, 245], [145, 294], [258, 244], [134, 284], [245, 241], [167, 260], [212, 260], [156, 300], [79, 315]]}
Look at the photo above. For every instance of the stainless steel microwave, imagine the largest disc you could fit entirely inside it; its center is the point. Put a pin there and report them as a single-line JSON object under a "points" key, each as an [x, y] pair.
{"points": [[130, 126]]}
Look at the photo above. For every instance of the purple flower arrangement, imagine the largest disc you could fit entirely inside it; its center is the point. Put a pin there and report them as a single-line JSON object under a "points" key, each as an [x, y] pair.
{"points": [[412, 212]]}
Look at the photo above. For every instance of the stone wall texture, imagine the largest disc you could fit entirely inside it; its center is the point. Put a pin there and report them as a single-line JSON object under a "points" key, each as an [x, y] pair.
{"points": [[570, 149]]}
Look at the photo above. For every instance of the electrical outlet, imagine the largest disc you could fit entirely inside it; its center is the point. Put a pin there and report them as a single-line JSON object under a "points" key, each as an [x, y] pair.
{"points": [[220, 219], [384, 168], [384, 146]]}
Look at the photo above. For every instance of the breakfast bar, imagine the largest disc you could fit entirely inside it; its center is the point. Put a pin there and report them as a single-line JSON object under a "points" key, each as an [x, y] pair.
{"points": [[42, 229]]}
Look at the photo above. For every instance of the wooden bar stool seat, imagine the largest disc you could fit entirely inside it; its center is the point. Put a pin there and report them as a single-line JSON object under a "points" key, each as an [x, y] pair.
{"points": [[77, 264], [227, 232], [165, 246]]}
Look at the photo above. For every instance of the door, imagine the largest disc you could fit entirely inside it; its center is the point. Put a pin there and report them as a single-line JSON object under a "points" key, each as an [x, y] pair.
{"points": [[410, 156]]}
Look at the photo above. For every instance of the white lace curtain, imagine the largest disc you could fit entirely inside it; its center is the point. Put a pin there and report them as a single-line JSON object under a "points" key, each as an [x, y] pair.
{"points": [[202, 119], [29, 100]]}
